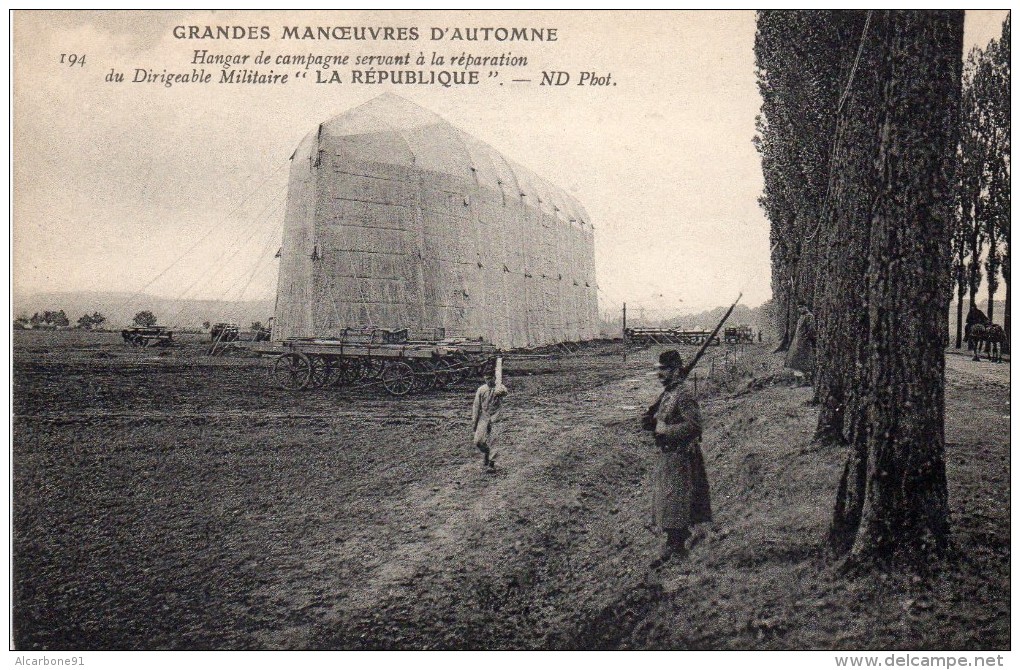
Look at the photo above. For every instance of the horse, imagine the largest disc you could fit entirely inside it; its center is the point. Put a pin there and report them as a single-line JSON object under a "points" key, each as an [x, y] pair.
{"points": [[992, 336]]}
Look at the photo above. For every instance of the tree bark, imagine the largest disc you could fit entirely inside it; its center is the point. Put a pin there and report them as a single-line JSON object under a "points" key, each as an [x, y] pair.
{"points": [[892, 502], [992, 280], [973, 269], [992, 264], [959, 319], [977, 241], [1005, 321], [840, 308], [959, 268]]}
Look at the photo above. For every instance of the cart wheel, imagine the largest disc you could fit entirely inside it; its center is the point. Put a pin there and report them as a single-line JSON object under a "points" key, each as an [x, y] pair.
{"points": [[398, 378], [321, 372], [480, 366], [349, 371], [372, 368], [465, 369], [424, 376], [336, 372], [292, 371], [446, 374]]}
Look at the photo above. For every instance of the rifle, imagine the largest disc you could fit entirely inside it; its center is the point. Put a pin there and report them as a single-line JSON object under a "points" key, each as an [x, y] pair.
{"points": [[697, 357]]}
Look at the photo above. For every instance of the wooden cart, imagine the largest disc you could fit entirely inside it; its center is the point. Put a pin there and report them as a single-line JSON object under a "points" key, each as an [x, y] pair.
{"points": [[378, 357], [148, 336], [738, 335], [667, 336]]}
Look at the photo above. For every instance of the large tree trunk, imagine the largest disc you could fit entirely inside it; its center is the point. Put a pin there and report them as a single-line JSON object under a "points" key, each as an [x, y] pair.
{"points": [[1005, 322], [977, 242], [992, 269], [991, 264], [960, 272], [840, 307], [959, 319], [994, 261], [892, 501]]}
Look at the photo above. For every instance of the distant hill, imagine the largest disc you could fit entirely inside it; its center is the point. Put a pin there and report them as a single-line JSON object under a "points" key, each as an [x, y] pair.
{"points": [[704, 320], [119, 308], [742, 316]]}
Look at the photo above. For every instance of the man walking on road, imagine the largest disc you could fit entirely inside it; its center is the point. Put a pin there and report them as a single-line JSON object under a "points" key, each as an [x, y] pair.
{"points": [[485, 416], [680, 495]]}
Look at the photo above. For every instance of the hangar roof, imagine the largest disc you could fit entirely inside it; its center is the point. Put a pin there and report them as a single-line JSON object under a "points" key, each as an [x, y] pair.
{"points": [[393, 130]]}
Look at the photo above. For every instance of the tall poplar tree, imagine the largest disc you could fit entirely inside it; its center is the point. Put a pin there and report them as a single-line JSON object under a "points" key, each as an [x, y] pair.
{"points": [[858, 134]]}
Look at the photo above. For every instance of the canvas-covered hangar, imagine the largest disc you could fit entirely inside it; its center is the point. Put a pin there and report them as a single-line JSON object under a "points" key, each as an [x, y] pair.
{"points": [[397, 219]]}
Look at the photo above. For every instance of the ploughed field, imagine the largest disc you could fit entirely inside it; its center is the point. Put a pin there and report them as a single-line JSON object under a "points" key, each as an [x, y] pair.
{"points": [[167, 500]]}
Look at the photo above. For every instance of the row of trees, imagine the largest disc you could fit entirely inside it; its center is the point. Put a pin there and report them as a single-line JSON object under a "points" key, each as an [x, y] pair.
{"points": [[858, 138], [981, 231], [47, 319], [797, 131], [94, 321], [797, 56]]}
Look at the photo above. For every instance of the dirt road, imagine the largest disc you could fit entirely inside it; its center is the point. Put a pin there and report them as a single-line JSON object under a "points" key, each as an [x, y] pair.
{"points": [[961, 364]]}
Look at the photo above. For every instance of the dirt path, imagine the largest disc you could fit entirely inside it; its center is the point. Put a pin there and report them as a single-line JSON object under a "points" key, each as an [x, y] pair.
{"points": [[480, 546]]}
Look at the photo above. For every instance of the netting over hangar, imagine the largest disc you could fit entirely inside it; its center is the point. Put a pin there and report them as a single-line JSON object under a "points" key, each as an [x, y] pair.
{"points": [[397, 219]]}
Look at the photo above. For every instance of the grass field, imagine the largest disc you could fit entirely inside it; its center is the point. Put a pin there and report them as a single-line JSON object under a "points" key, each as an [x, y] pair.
{"points": [[167, 500]]}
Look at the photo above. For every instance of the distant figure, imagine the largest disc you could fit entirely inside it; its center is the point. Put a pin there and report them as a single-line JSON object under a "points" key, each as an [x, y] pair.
{"points": [[680, 495], [485, 417], [993, 336], [975, 317], [801, 355]]}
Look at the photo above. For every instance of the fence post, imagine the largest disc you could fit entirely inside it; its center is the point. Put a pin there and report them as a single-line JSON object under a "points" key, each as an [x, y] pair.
{"points": [[624, 332]]}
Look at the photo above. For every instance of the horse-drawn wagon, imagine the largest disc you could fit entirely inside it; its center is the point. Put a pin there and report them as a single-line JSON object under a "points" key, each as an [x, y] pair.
{"points": [[738, 335], [148, 336], [368, 357], [225, 332]]}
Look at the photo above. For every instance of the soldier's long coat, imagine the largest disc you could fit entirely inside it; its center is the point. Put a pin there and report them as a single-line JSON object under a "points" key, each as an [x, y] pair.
{"points": [[680, 484]]}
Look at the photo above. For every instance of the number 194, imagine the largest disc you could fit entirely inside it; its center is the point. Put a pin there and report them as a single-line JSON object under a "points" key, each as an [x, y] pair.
{"points": [[72, 59]]}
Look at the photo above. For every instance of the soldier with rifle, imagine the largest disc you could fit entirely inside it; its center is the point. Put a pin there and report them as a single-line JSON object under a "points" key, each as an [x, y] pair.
{"points": [[681, 495]]}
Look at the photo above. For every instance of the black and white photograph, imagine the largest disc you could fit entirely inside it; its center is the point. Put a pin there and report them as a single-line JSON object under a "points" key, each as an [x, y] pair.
{"points": [[476, 330]]}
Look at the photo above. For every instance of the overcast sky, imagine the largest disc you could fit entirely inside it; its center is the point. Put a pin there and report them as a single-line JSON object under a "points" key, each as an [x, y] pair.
{"points": [[116, 182]]}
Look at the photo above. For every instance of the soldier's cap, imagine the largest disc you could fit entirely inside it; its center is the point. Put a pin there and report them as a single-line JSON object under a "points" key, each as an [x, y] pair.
{"points": [[670, 358]]}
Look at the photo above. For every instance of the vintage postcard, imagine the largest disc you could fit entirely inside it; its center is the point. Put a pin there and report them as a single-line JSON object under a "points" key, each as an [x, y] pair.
{"points": [[511, 330]]}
